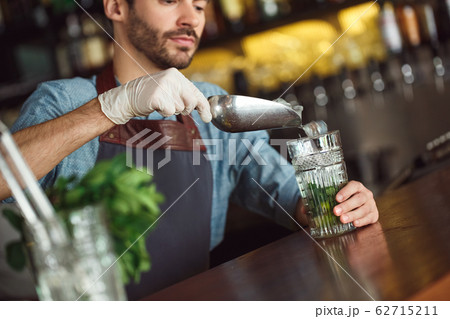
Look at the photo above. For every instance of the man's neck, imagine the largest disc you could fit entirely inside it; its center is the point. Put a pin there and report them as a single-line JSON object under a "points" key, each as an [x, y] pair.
{"points": [[130, 64]]}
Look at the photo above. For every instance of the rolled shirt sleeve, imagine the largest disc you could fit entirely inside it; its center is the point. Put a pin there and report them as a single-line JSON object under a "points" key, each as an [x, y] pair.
{"points": [[49, 101]]}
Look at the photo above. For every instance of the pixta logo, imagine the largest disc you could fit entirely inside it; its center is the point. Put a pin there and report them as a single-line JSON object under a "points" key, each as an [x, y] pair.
{"points": [[240, 151], [140, 151]]}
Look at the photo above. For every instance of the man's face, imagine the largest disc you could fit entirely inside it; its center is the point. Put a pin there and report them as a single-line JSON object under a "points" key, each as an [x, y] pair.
{"points": [[167, 32]]}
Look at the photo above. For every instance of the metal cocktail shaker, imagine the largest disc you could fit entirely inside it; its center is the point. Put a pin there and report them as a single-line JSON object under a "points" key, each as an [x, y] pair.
{"points": [[236, 113]]}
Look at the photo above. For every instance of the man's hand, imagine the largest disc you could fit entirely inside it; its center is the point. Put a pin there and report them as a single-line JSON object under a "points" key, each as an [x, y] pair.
{"points": [[168, 92], [356, 204]]}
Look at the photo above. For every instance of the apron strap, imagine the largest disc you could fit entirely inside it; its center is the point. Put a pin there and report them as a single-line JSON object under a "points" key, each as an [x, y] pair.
{"points": [[183, 133], [106, 80]]}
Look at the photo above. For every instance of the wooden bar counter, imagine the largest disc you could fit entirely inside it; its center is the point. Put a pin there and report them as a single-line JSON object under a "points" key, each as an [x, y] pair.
{"points": [[405, 256]]}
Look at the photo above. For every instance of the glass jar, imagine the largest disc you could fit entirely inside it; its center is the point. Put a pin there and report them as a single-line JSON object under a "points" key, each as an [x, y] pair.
{"points": [[84, 267], [96, 263], [51, 260], [320, 172]]}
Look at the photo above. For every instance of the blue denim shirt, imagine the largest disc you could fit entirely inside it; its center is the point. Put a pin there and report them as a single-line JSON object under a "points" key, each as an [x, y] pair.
{"points": [[233, 180]]}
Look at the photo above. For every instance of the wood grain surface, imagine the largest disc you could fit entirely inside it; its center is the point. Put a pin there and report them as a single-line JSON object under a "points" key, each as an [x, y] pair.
{"points": [[402, 255]]}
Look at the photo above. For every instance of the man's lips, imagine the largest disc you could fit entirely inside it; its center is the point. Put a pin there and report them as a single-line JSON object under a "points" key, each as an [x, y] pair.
{"points": [[184, 41]]}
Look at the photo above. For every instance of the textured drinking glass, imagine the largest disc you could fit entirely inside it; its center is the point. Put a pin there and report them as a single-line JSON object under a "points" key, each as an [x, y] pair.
{"points": [[320, 171], [84, 269], [51, 264], [96, 267]]}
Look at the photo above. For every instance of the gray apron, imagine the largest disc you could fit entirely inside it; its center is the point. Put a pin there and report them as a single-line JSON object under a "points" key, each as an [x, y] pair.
{"points": [[179, 242]]}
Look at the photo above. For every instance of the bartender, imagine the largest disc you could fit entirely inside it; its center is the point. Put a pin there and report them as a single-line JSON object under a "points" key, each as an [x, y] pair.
{"points": [[65, 126]]}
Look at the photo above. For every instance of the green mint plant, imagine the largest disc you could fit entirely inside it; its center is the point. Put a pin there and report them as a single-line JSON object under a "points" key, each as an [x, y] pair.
{"points": [[323, 200], [131, 202]]}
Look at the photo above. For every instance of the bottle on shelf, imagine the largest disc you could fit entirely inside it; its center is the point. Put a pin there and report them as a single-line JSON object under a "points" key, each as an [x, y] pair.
{"points": [[376, 77], [389, 27], [430, 35], [74, 43], [376, 70], [274, 9], [409, 26], [442, 13], [321, 99], [214, 25], [447, 2], [252, 12], [94, 45], [428, 24], [2, 19], [351, 78], [349, 91], [233, 12], [392, 38]]}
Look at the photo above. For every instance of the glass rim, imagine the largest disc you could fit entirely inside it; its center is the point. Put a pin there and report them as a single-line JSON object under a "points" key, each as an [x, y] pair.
{"points": [[312, 138]]}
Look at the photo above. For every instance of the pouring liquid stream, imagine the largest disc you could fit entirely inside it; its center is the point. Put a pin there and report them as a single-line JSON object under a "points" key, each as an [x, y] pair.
{"points": [[311, 129]]}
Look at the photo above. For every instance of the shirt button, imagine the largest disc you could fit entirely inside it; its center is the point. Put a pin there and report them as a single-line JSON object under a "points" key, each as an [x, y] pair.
{"points": [[193, 132], [111, 135]]}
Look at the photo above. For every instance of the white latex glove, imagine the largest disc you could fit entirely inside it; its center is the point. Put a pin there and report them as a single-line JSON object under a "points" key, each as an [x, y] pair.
{"points": [[168, 92]]}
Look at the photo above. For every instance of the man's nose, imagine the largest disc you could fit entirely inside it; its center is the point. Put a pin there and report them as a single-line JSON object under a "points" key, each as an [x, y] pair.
{"points": [[189, 16]]}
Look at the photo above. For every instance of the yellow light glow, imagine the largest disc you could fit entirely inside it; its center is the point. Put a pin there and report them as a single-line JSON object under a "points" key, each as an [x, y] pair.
{"points": [[357, 18]]}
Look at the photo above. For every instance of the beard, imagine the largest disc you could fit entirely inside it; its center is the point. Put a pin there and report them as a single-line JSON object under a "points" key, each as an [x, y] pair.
{"points": [[152, 43]]}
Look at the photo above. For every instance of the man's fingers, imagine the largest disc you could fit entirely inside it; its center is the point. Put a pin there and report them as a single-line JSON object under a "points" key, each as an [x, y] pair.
{"points": [[356, 205], [364, 215], [190, 102], [203, 108], [352, 203], [165, 109], [366, 220], [348, 190], [355, 214], [194, 99]]}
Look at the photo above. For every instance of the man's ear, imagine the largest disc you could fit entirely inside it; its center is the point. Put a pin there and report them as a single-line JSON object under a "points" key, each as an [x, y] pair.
{"points": [[115, 10]]}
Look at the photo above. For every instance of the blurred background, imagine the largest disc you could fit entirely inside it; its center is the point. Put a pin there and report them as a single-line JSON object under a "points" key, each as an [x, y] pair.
{"points": [[376, 70]]}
